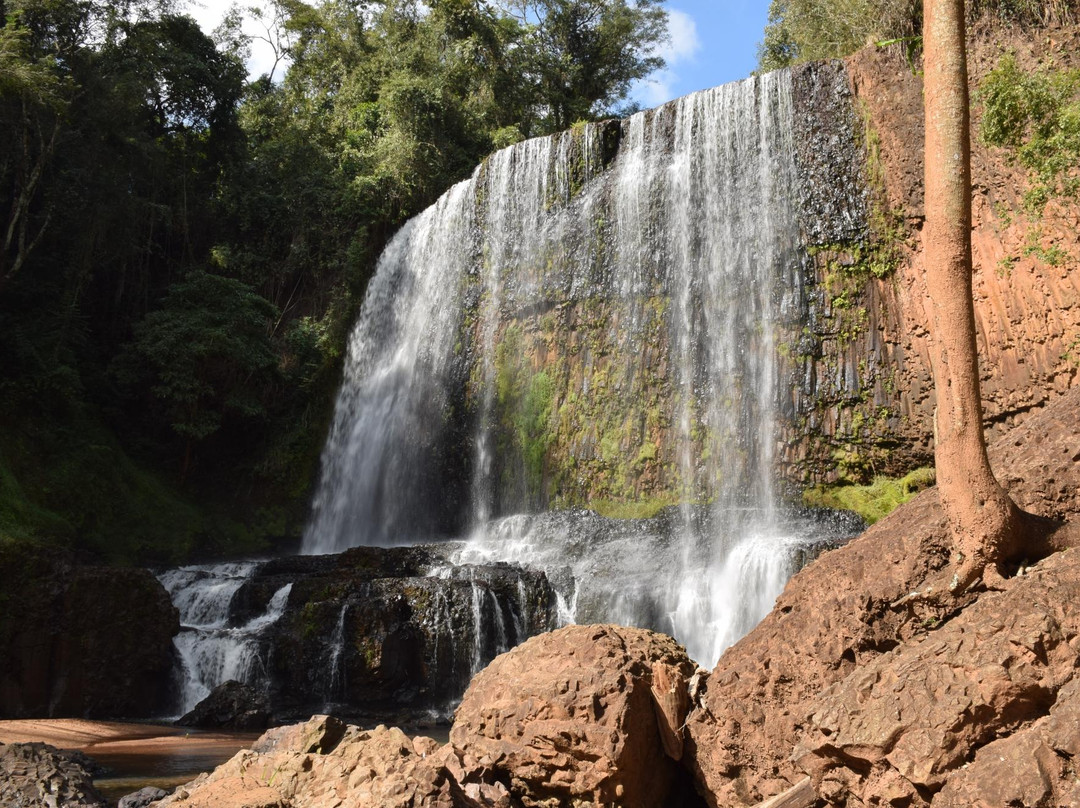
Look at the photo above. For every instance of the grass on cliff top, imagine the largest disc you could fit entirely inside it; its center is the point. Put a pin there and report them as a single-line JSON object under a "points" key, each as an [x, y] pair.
{"points": [[872, 502]]}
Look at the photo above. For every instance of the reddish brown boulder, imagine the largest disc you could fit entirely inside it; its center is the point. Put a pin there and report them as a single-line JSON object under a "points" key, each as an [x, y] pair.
{"points": [[326, 764], [896, 729], [847, 609], [1031, 767], [580, 716]]}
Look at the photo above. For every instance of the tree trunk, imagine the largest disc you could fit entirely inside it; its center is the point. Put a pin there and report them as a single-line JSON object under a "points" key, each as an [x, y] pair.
{"points": [[986, 525]]}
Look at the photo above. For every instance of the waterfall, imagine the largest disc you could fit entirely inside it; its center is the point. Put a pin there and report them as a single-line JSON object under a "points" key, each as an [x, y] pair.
{"points": [[601, 315], [337, 684], [212, 651]]}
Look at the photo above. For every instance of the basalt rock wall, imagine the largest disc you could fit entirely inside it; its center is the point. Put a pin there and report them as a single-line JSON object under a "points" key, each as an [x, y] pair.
{"points": [[580, 418], [601, 364], [868, 393]]}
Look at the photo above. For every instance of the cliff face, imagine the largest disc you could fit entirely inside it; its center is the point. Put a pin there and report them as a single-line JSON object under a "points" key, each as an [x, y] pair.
{"points": [[621, 362], [873, 404], [680, 306], [582, 418]]}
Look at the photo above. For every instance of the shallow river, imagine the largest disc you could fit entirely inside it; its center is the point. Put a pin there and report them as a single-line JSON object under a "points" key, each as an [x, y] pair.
{"points": [[137, 755]]}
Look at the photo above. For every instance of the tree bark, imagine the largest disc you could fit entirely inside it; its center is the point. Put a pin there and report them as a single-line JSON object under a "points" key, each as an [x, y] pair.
{"points": [[987, 527]]}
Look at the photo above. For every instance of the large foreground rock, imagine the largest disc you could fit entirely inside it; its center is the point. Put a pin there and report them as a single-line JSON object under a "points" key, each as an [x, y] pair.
{"points": [[324, 763], [36, 775], [837, 619], [896, 730], [581, 716]]}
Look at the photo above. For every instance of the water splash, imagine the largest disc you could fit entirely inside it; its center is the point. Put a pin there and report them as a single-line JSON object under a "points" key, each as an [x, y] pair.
{"points": [[211, 651]]}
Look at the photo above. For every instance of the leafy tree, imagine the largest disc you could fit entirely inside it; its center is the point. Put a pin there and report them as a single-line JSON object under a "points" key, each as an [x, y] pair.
{"points": [[802, 30], [204, 351], [585, 55]]}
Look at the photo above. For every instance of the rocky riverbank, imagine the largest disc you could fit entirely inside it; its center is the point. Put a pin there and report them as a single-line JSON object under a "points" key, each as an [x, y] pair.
{"points": [[850, 693]]}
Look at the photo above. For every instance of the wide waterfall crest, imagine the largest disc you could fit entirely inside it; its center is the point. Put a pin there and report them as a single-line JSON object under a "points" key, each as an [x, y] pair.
{"points": [[594, 314]]}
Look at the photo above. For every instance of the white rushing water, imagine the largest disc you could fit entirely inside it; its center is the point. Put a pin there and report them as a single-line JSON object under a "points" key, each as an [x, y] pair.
{"points": [[697, 209], [211, 651]]}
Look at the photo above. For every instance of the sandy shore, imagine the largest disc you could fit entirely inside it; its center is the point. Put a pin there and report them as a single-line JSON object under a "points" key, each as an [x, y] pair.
{"points": [[75, 733], [141, 748]]}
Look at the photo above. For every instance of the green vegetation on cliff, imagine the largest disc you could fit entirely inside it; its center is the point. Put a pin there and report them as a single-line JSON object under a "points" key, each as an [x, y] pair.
{"points": [[803, 30], [1035, 117], [872, 502]]}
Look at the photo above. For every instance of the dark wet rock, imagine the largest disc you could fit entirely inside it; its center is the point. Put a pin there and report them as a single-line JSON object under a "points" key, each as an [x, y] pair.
{"points": [[142, 798], [384, 633], [231, 705], [834, 196], [86, 641], [36, 775]]}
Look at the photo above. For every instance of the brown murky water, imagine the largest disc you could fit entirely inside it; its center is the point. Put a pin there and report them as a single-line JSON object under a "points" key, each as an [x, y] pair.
{"points": [[138, 755]]}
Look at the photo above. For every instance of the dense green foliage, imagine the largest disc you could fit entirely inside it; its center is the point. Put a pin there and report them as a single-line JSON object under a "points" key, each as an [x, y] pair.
{"points": [[801, 30], [183, 250], [1036, 117]]}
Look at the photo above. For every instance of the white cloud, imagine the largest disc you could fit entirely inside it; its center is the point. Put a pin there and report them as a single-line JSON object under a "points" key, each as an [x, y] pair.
{"points": [[209, 14], [682, 46]]}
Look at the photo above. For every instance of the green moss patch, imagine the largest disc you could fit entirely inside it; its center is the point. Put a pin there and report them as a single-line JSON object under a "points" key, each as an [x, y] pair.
{"points": [[638, 509], [874, 501]]}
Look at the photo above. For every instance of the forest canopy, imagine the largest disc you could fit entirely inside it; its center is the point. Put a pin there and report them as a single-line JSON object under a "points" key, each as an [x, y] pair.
{"points": [[183, 249]]}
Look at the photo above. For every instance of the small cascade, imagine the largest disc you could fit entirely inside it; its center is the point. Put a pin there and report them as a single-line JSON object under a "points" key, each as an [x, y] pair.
{"points": [[495, 598], [478, 625], [336, 660], [211, 648]]}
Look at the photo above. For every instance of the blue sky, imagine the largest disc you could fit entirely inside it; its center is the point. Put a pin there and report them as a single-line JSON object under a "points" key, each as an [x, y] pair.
{"points": [[712, 42]]}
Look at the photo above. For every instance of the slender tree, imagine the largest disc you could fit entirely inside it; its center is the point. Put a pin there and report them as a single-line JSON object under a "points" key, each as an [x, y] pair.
{"points": [[986, 525]]}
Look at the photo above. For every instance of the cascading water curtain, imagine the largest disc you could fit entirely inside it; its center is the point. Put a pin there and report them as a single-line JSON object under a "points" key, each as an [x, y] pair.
{"points": [[595, 315]]}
